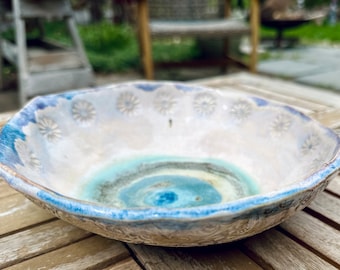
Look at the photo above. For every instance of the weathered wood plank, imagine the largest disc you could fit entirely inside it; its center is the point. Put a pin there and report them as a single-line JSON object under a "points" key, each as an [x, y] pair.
{"points": [[128, 264], [45, 9], [316, 234], [318, 96], [42, 61], [328, 206], [299, 104], [4, 117], [330, 118], [37, 240], [5, 189], [9, 51], [274, 250], [17, 212], [92, 253], [334, 186], [213, 257]]}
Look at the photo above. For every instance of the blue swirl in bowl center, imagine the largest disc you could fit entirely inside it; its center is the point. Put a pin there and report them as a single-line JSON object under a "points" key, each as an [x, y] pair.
{"points": [[168, 182], [169, 191]]}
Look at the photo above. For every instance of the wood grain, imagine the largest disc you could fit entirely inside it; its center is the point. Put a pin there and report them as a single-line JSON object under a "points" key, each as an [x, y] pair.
{"points": [[330, 118], [92, 253], [17, 212], [5, 189], [301, 105], [128, 264], [334, 186], [276, 251], [314, 95], [328, 206], [37, 240], [43, 61], [213, 257], [325, 242]]}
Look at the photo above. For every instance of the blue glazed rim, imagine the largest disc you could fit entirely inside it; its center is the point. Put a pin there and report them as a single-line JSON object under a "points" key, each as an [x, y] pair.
{"points": [[93, 210]]}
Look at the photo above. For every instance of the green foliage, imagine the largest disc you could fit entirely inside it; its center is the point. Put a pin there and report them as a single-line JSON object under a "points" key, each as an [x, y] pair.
{"points": [[310, 33], [113, 48], [110, 47], [105, 36], [316, 3], [175, 49], [57, 30]]}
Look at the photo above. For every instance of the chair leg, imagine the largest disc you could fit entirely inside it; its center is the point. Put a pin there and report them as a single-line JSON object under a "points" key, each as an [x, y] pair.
{"points": [[20, 38], [225, 52], [1, 67], [145, 39], [254, 24]]}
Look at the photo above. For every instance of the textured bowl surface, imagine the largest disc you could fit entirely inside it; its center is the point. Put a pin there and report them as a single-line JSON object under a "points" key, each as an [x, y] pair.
{"points": [[167, 163]]}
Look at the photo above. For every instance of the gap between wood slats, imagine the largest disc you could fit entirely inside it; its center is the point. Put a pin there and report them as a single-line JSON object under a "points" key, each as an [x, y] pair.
{"points": [[38, 240], [134, 256], [326, 208], [310, 248], [94, 253], [333, 187], [18, 213], [227, 256], [274, 250], [257, 259], [331, 192], [313, 234], [28, 227], [322, 218], [127, 264]]}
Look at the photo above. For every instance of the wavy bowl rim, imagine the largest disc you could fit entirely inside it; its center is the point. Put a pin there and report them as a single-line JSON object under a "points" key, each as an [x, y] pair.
{"points": [[83, 208]]}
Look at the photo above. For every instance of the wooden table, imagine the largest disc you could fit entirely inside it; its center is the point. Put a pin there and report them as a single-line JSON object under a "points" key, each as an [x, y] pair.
{"points": [[30, 238]]}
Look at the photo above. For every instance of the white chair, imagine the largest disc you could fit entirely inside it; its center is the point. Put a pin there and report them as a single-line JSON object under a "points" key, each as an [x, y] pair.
{"points": [[44, 67]]}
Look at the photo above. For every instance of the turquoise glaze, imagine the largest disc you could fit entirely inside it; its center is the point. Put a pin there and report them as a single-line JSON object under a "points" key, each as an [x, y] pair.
{"points": [[169, 191], [167, 182]]}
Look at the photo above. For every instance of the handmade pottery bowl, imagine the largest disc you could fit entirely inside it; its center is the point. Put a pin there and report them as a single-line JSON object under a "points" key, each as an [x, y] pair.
{"points": [[166, 163]]}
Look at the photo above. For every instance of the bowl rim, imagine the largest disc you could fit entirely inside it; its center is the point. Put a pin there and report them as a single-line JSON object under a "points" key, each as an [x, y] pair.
{"points": [[84, 208]]}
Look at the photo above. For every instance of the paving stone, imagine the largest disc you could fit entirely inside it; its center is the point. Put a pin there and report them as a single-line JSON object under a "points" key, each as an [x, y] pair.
{"points": [[329, 80], [312, 65], [319, 55], [289, 68]]}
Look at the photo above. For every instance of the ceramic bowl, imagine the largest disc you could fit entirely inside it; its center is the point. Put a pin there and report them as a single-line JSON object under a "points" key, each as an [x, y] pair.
{"points": [[165, 163]]}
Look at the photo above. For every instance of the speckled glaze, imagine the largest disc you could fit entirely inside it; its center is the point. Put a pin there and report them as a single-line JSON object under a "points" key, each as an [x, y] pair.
{"points": [[166, 163]]}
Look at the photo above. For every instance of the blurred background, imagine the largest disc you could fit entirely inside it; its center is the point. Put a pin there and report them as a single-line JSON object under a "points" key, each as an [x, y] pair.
{"points": [[108, 31]]}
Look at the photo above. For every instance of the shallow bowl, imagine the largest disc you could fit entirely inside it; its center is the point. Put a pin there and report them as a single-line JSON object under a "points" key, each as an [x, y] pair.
{"points": [[166, 163]]}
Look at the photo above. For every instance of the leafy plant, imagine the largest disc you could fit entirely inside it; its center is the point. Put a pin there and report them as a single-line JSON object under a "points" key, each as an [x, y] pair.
{"points": [[310, 33], [113, 48]]}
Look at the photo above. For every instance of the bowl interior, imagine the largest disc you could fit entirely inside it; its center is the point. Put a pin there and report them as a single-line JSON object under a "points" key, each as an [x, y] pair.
{"points": [[163, 144]]}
